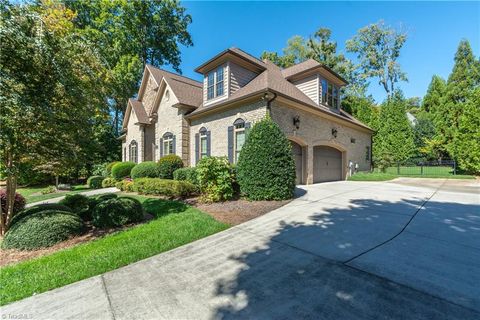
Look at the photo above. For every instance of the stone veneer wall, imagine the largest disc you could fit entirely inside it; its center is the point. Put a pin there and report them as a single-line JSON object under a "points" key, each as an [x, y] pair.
{"points": [[218, 123], [134, 132], [315, 130]]}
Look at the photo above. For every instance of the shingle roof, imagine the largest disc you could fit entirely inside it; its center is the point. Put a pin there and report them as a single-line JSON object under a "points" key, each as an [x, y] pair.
{"points": [[300, 67], [235, 51], [139, 110], [187, 91]]}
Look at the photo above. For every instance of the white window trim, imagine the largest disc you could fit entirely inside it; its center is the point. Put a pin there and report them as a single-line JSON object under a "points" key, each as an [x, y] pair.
{"points": [[203, 153], [225, 89], [236, 153], [168, 140]]}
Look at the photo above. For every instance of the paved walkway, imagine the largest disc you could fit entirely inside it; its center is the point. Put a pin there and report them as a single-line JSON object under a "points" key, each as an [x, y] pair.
{"points": [[343, 250], [86, 193]]}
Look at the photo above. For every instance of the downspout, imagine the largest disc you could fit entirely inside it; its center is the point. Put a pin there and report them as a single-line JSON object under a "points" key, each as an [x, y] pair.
{"points": [[269, 102]]}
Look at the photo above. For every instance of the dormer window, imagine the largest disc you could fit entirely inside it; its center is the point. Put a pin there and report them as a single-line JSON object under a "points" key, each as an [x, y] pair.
{"points": [[215, 83], [330, 94]]}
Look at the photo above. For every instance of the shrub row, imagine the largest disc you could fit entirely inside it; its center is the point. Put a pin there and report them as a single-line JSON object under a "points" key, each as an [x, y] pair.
{"points": [[186, 174], [164, 187]]}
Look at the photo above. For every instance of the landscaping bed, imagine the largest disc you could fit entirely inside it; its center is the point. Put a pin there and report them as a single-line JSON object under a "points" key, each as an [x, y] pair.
{"points": [[237, 211], [34, 194], [174, 224]]}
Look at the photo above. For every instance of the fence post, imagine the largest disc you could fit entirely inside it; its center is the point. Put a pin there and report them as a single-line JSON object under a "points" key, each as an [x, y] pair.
{"points": [[398, 168], [421, 169], [454, 167]]}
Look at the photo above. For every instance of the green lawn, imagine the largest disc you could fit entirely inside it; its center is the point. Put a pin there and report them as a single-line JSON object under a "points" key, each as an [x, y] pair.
{"points": [[175, 224], [33, 194], [408, 172]]}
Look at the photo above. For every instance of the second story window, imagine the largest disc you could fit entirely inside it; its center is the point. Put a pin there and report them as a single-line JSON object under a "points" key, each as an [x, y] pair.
{"points": [[215, 83], [330, 94]]}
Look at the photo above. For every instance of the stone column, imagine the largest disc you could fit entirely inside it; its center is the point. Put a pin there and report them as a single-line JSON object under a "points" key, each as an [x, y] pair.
{"points": [[309, 155]]}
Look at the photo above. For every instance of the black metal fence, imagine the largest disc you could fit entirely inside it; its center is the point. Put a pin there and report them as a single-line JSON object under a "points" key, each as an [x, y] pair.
{"points": [[416, 167]]}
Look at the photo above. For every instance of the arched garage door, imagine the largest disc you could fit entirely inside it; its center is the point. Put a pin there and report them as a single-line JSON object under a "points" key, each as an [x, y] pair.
{"points": [[327, 164]]}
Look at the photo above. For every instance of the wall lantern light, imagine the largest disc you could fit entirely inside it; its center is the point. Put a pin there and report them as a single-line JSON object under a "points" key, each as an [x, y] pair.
{"points": [[334, 132], [296, 122]]}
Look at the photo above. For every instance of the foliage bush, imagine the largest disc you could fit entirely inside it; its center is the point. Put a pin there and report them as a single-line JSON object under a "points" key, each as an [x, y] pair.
{"points": [[168, 164], [79, 204], [164, 187], [49, 189], [106, 196], [121, 170], [100, 170], [108, 182], [42, 229], [186, 174], [18, 204], [266, 168], [215, 177], [125, 185], [147, 169], [95, 182], [117, 212], [108, 167], [38, 208]]}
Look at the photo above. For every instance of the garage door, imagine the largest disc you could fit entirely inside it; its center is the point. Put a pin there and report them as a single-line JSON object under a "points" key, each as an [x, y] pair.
{"points": [[327, 164]]}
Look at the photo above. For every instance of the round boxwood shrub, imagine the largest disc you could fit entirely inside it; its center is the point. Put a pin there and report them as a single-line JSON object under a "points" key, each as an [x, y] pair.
{"points": [[108, 182], [38, 208], [42, 229], [168, 164], [122, 170], [108, 167], [18, 203], [106, 196], [266, 168], [147, 169], [116, 212], [215, 178], [95, 182], [186, 174], [79, 204]]}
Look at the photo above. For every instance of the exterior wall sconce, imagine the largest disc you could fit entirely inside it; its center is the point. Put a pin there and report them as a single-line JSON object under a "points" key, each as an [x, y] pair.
{"points": [[296, 122], [334, 132]]}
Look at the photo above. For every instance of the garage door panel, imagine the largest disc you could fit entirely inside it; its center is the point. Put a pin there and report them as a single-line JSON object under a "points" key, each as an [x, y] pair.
{"points": [[327, 164]]}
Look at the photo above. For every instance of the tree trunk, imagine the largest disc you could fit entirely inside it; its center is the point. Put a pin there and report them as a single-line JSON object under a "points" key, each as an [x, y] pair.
{"points": [[56, 181]]}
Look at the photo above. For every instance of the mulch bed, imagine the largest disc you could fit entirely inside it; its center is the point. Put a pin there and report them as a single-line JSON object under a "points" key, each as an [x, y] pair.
{"points": [[236, 211], [9, 256]]}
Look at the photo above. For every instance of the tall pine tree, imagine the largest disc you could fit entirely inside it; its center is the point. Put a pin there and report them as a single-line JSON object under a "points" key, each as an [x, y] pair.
{"points": [[465, 77], [394, 139], [433, 99]]}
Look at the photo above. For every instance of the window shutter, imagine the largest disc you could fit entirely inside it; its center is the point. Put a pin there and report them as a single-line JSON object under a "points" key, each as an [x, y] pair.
{"points": [[197, 152], [174, 145], [230, 144], [208, 143], [161, 147]]}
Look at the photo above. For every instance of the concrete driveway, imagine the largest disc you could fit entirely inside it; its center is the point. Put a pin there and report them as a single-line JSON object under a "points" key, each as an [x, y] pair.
{"points": [[407, 249]]}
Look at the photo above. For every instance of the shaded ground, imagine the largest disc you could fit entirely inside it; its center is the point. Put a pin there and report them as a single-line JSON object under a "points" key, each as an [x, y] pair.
{"points": [[344, 250]]}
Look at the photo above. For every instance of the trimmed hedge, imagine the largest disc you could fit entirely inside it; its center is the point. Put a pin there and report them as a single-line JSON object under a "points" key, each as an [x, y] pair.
{"points": [[108, 167], [18, 204], [147, 169], [266, 168], [168, 164], [38, 208], [95, 182], [117, 212], [106, 196], [164, 187], [125, 185], [186, 174], [108, 182], [215, 177], [42, 229], [122, 170]]}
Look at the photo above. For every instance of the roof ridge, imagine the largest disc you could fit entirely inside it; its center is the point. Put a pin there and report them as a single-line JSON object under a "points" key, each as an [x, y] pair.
{"points": [[245, 52], [174, 74], [190, 84]]}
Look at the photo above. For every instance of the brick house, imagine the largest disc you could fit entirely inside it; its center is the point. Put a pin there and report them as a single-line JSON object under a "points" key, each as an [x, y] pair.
{"points": [[175, 114]]}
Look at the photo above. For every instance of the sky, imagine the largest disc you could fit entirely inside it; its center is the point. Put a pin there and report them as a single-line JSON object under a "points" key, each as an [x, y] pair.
{"points": [[434, 31]]}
